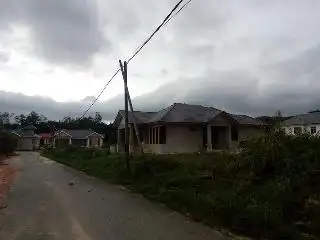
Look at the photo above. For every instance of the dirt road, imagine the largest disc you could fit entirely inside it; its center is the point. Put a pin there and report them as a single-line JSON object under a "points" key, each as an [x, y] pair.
{"points": [[50, 201]]}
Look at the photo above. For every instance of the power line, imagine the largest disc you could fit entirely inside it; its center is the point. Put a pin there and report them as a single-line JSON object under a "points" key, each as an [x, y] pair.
{"points": [[99, 95], [136, 52], [177, 12]]}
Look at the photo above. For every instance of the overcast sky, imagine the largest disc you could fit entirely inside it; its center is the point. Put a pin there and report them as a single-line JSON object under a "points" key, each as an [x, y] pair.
{"points": [[242, 56]]}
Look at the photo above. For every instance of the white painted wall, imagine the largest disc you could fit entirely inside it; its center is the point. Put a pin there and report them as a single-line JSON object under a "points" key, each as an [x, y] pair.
{"points": [[25, 144], [28, 143], [95, 142], [305, 128]]}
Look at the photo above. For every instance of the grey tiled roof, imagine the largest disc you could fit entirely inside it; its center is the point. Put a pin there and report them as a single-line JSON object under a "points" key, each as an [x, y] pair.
{"points": [[304, 119], [140, 117], [80, 133], [186, 113], [246, 120], [22, 133]]}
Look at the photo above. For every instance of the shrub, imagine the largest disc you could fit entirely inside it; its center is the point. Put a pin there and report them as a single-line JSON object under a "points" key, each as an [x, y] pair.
{"points": [[8, 143], [274, 178], [269, 190]]}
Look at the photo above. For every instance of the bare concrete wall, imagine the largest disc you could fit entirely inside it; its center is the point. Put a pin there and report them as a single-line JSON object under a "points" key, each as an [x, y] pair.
{"points": [[184, 139], [189, 139], [249, 132], [155, 148], [95, 141], [179, 139], [246, 132]]}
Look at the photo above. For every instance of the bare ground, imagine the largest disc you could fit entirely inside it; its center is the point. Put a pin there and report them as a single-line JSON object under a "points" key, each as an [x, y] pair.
{"points": [[7, 175]]}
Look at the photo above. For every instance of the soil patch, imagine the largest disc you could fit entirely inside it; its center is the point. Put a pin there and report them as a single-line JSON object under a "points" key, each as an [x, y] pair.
{"points": [[7, 174]]}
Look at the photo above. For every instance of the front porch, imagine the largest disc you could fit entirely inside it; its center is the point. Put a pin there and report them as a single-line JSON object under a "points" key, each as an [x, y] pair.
{"points": [[217, 137]]}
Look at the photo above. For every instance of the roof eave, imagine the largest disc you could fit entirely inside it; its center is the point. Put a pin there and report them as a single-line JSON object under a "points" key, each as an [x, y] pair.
{"points": [[95, 133]]}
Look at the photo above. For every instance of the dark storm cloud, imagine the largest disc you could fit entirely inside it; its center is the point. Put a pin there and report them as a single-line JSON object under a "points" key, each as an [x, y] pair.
{"points": [[262, 48], [19, 103], [62, 31], [241, 92], [232, 91], [293, 89]]}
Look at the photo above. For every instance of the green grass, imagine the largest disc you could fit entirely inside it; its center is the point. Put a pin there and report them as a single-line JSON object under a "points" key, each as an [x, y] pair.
{"points": [[270, 190]]}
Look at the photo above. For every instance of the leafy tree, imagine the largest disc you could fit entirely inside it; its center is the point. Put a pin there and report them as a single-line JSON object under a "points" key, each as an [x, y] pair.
{"points": [[314, 111], [97, 118], [20, 119], [4, 118], [33, 118], [67, 120], [8, 143]]}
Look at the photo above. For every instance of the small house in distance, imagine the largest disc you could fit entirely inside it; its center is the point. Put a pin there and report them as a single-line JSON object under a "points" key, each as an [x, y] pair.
{"points": [[185, 128], [79, 138], [309, 122], [45, 138], [27, 139]]}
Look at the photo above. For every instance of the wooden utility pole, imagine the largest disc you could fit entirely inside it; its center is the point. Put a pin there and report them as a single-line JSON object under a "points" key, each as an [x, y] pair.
{"points": [[126, 118], [131, 109]]}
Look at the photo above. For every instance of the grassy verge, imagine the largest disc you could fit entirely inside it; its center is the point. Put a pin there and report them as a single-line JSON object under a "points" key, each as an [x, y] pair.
{"points": [[270, 190]]}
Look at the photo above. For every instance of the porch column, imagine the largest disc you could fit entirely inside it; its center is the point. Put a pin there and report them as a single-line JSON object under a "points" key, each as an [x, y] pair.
{"points": [[131, 138], [54, 142], [118, 140], [101, 142], [209, 141], [70, 141], [88, 142]]}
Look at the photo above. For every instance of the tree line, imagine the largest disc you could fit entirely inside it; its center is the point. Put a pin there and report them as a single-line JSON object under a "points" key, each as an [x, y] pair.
{"points": [[11, 121]]}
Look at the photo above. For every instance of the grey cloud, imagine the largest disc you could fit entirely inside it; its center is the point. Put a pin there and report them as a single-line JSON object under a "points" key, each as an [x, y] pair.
{"points": [[201, 53], [242, 92], [307, 63], [4, 57], [20, 103], [6, 10], [164, 72], [68, 31], [63, 32], [232, 91]]}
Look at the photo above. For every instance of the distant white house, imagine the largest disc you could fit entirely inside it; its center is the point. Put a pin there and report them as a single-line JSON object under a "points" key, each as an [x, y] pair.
{"points": [[27, 139], [303, 123], [80, 138]]}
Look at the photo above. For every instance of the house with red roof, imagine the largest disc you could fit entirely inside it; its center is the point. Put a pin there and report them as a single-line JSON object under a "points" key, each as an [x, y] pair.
{"points": [[45, 138]]}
